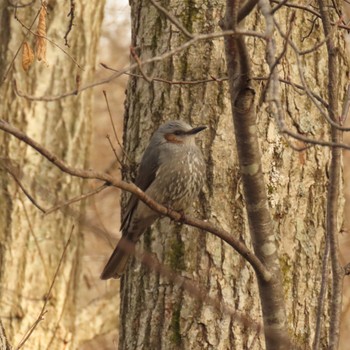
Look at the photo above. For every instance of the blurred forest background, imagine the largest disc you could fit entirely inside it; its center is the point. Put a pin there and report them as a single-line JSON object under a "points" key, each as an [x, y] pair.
{"points": [[103, 209]]}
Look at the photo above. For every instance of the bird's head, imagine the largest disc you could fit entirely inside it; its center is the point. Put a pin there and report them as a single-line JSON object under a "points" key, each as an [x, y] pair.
{"points": [[178, 132]]}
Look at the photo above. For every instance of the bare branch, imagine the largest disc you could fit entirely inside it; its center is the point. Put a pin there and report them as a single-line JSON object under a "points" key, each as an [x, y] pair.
{"points": [[189, 43], [240, 247], [172, 19], [305, 85], [36, 242], [76, 199], [4, 344], [249, 156], [71, 14], [19, 48], [50, 41], [139, 63], [315, 142], [246, 9], [321, 297], [334, 182], [47, 297], [115, 131], [11, 169]]}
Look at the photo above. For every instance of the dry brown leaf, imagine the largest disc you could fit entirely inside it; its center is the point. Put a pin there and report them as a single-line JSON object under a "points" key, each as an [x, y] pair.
{"points": [[27, 56], [41, 32]]}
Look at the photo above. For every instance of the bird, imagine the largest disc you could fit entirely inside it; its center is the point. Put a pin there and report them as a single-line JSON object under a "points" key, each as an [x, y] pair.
{"points": [[171, 172]]}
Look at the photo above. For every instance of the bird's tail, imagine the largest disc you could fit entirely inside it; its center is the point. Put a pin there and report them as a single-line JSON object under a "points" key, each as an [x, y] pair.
{"points": [[116, 264]]}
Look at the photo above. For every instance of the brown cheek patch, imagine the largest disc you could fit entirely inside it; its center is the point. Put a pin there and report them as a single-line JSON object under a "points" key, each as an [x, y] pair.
{"points": [[172, 138]]}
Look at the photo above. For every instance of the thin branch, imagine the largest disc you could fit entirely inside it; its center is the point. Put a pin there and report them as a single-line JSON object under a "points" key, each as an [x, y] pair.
{"points": [[35, 241], [305, 85], [71, 14], [189, 43], [47, 297], [346, 106], [19, 48], [315, 142], [218, 80], [114, 151], [139, 64], [76, 199], [334, 182], [240, 247], [10, 168], [115, 131], [172, 19], [310, 10], [4, 343], [249, 156], [321, 297], [51, 41], [199, 293], [170, 82], [246, 9], [18, 5]]}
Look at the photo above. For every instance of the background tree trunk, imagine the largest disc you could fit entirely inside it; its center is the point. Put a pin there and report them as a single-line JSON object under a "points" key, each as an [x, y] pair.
{"points": [[158, 314], [31, 244]]}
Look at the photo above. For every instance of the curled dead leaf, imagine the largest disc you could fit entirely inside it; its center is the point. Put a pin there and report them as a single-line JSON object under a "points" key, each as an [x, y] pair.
{"points": [[27, 56], [41, 34]]}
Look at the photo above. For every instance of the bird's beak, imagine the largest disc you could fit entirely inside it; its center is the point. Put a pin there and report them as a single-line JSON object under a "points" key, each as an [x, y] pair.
{"points": [[196, 130]]}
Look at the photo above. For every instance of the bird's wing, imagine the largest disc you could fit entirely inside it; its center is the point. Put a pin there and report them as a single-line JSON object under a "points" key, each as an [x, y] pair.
{"points": [[146, 174]]}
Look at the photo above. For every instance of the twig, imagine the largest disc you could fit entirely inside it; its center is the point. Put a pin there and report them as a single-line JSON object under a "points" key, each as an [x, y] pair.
{"points": [[139, 63], [36, 241], [333, 123], [218, 80], [334, 182], [114, 151], [246, 9], [346, 106], [172, 19], [52, 42], [199, 293], [104, 232], [321, 297], [47, 297], [6, 164], [17, 6], [161, 57], [115, 131], [76, 199], [235, 243], [315, 142], [19, 48], [4, 343], [71, 14], [170, 82]]}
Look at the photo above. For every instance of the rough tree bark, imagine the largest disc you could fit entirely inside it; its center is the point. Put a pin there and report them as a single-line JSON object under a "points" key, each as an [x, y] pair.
{"points": [[158, 314], [31, 244]]}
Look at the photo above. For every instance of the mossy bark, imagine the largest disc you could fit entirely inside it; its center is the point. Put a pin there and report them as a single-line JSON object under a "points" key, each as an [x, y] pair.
{"points": [[158, 314]]}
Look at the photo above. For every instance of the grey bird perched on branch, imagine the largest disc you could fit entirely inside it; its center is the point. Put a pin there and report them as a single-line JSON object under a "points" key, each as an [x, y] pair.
{"points": [[172, 173]]}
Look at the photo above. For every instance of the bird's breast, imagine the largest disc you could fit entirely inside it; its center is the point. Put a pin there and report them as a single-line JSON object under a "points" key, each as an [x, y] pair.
{"points": [[179, 179]]}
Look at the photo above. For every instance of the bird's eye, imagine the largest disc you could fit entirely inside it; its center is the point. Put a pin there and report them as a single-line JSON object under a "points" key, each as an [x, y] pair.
{"points": [[177, 132]]}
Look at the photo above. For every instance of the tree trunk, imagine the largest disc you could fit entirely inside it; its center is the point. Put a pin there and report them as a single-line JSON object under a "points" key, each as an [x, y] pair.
{"points": [[31, 245], [158, 314]]}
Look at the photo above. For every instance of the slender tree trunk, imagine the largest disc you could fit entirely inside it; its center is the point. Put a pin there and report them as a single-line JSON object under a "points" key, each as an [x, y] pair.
{"points": [[31, 244], [159, 314]]}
